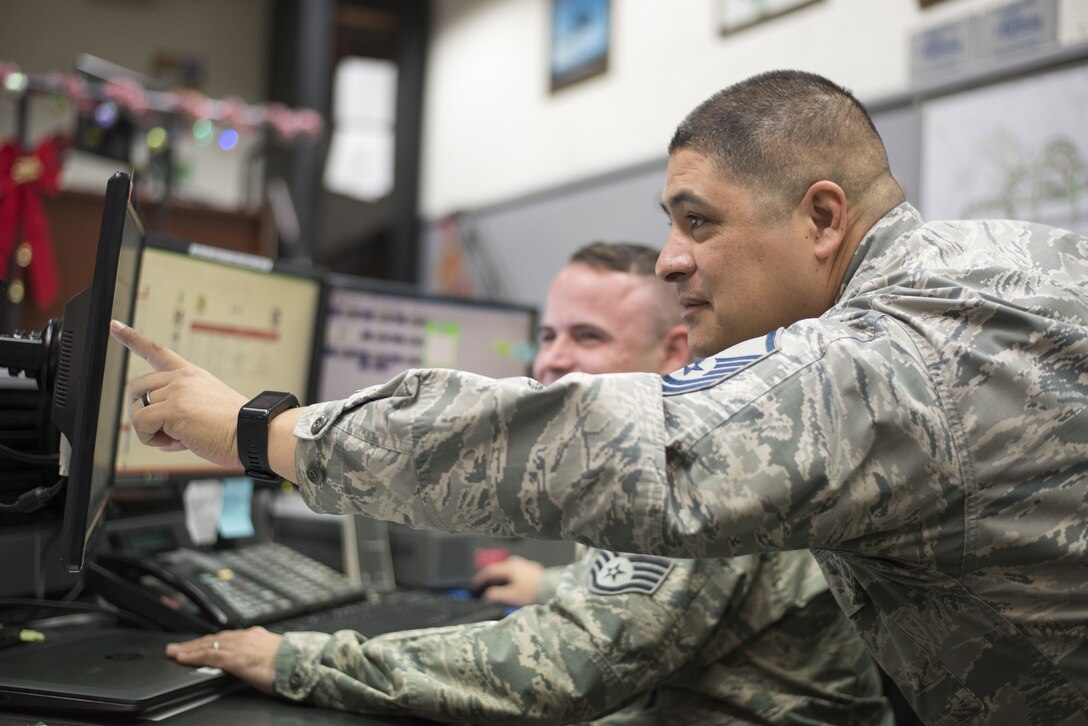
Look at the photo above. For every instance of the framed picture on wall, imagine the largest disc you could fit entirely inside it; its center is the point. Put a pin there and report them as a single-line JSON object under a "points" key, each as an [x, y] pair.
{"points": [[737, 15], [581, 34]]}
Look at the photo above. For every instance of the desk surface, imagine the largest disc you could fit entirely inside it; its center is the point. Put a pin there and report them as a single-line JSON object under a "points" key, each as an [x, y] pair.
{"points": [[250, 708], [243, 708]]}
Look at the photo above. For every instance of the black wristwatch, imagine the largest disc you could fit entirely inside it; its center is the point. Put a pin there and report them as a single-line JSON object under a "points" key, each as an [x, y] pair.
{"points": [[253, 420]]}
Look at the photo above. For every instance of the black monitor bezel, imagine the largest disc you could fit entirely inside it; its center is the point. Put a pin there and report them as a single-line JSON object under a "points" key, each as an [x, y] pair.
{"points": [[340, 281], [79, 523]]}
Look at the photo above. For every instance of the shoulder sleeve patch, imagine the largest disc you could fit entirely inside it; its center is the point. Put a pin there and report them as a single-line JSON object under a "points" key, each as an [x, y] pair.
{"points": [[716, 368], [614, 573]]}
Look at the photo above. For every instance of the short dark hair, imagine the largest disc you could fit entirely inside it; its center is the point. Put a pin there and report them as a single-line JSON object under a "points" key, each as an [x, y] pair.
{"points": [[779, 132], [631, 257]]}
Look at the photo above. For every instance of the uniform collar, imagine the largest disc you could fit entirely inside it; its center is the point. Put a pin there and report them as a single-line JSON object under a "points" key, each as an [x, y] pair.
{"points": [[878, 244]]}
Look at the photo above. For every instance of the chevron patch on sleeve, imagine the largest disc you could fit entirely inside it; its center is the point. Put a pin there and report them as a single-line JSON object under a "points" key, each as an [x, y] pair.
{"points": [[709, 371], [613, 573]]}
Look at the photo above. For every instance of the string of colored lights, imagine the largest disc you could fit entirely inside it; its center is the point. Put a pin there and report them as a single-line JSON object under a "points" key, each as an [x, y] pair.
{"points": [[106, 100]]}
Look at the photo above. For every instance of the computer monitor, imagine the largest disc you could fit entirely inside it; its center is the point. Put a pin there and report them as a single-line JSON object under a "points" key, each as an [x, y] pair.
{"points": [[88, 390], [244, 318], [374, 330]]}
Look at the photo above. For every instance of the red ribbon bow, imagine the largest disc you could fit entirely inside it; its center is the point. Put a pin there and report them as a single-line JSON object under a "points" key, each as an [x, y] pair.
{"points": [[24, 178]]}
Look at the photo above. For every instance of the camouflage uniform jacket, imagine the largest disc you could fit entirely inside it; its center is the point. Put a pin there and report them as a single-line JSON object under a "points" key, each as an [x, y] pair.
{"points": [[927, 437], [753, 639]]}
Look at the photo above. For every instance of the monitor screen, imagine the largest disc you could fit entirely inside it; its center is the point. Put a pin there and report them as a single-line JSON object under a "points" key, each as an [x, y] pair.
{"points": [[88, 391], [374, 330], [246, 320]]}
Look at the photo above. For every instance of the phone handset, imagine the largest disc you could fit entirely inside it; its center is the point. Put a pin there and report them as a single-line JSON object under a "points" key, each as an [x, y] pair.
{"points": [[165, 593]]}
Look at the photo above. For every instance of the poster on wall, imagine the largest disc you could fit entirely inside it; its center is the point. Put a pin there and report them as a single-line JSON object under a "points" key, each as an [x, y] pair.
{"points": [[581, 34], [737, 15], [1017, 150]]}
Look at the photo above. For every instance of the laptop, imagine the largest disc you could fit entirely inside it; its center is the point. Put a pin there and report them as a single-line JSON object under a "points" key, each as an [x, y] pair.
{"points": [[115, 673]]}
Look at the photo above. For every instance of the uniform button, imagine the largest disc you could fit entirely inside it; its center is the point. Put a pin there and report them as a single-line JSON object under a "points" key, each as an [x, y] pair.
{"points": [[313, 474], [317, 424], [296, 680]]}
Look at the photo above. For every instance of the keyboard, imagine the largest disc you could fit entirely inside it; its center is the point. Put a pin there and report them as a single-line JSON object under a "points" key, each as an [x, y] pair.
{"points": [[388, 612]]}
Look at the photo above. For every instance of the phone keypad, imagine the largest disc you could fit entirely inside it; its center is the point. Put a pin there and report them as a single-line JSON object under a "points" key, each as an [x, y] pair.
{"points": [[296, 578]]}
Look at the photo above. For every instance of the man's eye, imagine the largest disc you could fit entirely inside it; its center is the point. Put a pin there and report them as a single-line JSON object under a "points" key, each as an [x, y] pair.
{"points": [[588, 337], [694, 222]]}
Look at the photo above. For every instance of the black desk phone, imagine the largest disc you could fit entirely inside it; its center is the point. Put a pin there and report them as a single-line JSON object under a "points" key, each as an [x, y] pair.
{"points": [[188, 590]]}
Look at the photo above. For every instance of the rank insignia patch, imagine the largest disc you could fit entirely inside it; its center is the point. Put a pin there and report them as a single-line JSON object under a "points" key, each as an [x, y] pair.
{"points": [[613, 573], [710, 371]]}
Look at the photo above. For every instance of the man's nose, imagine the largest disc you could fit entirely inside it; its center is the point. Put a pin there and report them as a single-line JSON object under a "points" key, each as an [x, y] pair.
{"points": [[554, 360], [675, 262]]}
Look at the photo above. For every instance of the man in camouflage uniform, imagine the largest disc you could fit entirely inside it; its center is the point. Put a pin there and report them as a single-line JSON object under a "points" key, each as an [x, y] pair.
{"points": [[754, 639], [907, 399]]}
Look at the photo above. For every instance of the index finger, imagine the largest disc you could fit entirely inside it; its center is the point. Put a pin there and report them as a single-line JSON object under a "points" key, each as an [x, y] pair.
{"points": [[159, 356]]}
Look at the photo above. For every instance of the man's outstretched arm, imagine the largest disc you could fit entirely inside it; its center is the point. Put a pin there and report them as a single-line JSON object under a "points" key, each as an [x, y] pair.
{"points": [[609, 460]]}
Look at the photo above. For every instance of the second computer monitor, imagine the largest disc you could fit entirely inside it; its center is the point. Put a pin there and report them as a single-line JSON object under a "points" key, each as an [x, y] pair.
{"points": [[247, 321], [373, 331]]}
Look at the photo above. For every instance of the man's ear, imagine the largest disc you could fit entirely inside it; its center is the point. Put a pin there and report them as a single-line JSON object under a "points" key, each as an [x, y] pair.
{"points": [[824, 209], [677, 352]]}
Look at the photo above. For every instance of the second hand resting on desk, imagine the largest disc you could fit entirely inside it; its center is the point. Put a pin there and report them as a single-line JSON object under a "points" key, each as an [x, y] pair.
{"points": [[250, 653]]}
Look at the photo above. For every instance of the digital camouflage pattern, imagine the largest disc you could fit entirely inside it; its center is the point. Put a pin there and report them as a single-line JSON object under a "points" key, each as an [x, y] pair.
{"points": [[753, 639], [927, 437]]}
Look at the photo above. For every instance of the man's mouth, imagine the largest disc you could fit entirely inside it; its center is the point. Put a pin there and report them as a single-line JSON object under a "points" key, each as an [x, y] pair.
{"points": [[692, 305]]}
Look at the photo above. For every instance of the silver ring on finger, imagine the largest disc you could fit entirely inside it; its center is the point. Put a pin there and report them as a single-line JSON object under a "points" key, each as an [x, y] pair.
{"points": [[146, 398]]}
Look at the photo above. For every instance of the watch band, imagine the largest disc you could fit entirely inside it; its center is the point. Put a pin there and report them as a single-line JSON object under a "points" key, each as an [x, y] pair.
{"points": [[253, 421]]}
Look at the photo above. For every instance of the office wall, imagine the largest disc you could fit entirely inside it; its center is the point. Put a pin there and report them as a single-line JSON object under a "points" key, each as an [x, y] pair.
{"points": [[514, 247], [565, 200], [493, 131]]}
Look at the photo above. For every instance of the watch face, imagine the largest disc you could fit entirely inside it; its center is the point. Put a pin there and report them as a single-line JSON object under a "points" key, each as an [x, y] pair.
{"points": [[265, 401]]}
